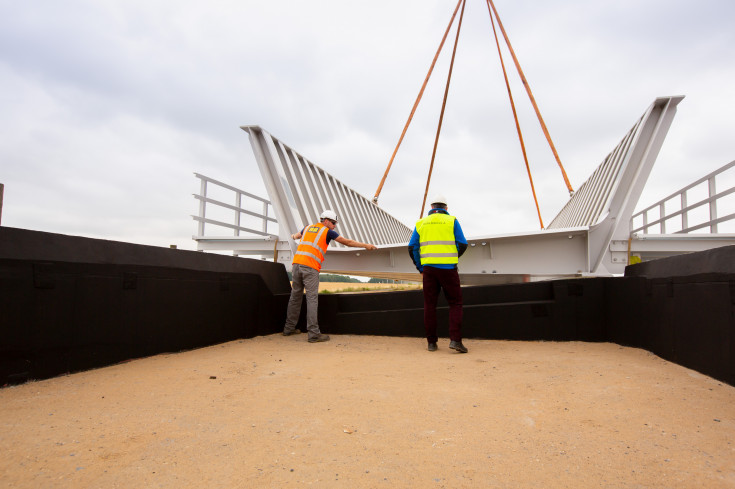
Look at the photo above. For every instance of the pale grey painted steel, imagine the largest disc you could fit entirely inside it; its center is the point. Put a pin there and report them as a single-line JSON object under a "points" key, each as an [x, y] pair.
{"points": [[650, 246], [638, 157], [605, 202], [590, 236], [491, 259], [683, 212], [586, 206], [237, 209], [654, 246], [300, 191]]}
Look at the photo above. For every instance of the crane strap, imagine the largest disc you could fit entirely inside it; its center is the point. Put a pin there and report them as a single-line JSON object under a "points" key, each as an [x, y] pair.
{"points": [[491, 10], [444, 104], [416, 104], [515, 116], [530, 96]]}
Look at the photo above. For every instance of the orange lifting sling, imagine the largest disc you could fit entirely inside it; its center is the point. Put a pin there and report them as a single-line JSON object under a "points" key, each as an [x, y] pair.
{"points": [[491, 10]]}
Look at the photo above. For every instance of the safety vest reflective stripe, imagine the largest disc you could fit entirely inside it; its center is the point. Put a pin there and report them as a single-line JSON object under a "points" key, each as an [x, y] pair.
{"points": [[428, 243], [311, 255]]}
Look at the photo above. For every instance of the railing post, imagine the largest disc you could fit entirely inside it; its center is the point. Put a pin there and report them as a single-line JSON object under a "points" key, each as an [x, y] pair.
{"points": [[661, 215], [645, 222], [202, 205], [712, 205], [684, 214], [238, 204], [2, 191], [265, 218]]}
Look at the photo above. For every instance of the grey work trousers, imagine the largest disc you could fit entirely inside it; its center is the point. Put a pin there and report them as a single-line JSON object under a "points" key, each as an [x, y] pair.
{"points": [[303, 277]]}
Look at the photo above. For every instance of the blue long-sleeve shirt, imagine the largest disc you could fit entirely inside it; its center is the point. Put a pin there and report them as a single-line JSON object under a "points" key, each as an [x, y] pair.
{"points": [[414, 246]]}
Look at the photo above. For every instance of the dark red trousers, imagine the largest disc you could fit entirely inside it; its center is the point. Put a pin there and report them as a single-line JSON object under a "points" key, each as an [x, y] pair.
{"points": [[436, 279]]}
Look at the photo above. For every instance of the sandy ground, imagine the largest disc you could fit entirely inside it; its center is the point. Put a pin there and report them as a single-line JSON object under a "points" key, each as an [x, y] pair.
{"points": [[361, 287], [367, 412]]}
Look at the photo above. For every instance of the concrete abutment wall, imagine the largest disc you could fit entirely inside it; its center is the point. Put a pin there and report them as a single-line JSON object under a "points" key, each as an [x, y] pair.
{"points": [[69, 303]]}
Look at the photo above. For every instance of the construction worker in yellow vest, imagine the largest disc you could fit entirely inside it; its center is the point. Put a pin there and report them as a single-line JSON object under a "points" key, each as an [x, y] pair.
{"points": [[435, 246], [307, 262]]}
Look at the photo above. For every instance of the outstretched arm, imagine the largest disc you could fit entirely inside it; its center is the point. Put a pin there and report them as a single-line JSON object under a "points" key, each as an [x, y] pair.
{"points": [[355, 244], [298, 236]]}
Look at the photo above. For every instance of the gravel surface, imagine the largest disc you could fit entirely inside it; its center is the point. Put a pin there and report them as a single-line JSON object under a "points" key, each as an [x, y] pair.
{"points": [[370, 411]]}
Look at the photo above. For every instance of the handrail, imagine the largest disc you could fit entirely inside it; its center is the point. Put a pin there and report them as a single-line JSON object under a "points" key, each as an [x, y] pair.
{"points": [[686, 208], [237, 208]]}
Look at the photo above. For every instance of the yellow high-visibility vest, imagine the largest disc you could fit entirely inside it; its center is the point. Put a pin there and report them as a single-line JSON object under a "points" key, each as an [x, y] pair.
{"points": [[437, 245]]}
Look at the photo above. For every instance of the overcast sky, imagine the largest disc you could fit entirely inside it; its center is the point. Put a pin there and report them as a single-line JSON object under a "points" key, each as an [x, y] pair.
{"points": [[108, 107]]}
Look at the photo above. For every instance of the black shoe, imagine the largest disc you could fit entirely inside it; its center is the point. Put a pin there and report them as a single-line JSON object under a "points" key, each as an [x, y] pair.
{"points": [[319, 339], [289, 333], [432, 347], [457, 345]]}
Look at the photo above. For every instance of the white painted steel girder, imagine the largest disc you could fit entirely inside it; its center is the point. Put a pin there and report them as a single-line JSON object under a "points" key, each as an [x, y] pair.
{"points": [[606, 201], [490, 259], [299, 191], [624, 171], [653, 246], [590, 236]]}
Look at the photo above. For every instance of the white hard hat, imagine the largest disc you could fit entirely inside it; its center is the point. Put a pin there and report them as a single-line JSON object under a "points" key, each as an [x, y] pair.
{"points": [[327, 214], [439, 199]]}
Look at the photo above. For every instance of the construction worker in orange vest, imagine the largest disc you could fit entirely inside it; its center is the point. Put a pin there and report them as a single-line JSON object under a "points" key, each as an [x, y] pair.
{"points": [[305, 272]]}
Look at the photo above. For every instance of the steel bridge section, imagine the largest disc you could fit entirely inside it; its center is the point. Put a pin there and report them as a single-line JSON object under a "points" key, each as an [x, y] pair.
{"points": [[580, 241], [492, 259], [590, 236]]}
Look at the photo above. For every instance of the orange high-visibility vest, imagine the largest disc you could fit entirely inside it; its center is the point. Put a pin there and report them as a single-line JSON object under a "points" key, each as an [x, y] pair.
{"points": [[312, 247]]}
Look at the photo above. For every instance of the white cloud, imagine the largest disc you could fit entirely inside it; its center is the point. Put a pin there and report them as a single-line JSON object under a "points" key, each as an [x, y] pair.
{"points": [[109, 107]]}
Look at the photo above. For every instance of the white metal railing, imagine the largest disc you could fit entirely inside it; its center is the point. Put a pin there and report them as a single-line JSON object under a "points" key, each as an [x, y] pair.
{"points": [[236, 207], [641, 222]]}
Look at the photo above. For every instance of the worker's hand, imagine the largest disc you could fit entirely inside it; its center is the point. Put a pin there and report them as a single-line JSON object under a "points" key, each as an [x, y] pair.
{"points": [[371, 247]]}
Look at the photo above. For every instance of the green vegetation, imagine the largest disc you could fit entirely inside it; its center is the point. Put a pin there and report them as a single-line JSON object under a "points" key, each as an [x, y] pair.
{"points": [[380, 281], [330, 277]]}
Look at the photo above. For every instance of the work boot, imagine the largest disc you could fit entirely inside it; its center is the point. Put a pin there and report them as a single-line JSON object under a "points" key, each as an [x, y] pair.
{"points": [[457, 345], [432, 346], [289, 333], [319, 339]]}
